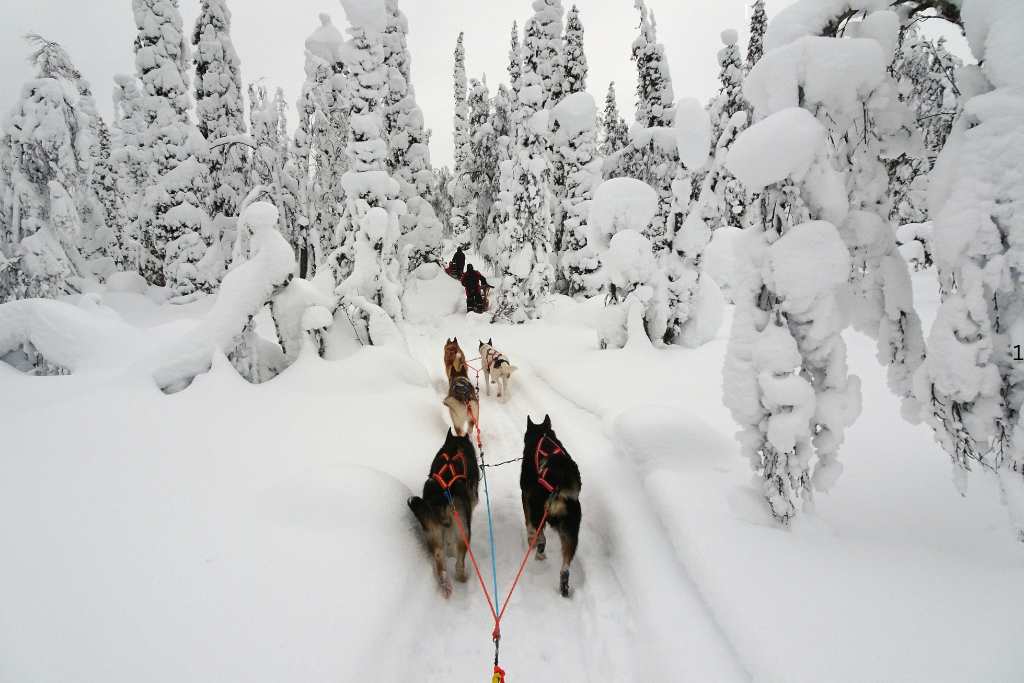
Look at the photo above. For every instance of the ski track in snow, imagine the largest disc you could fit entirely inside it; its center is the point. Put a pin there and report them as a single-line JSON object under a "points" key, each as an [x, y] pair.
{"points": [[599, 634]]}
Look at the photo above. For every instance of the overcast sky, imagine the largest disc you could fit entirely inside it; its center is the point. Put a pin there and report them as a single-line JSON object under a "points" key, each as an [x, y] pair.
{"points": [[269, 37]]}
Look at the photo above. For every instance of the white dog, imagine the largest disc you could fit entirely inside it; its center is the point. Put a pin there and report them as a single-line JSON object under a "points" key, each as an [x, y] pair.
{"points": [[496, 368]]}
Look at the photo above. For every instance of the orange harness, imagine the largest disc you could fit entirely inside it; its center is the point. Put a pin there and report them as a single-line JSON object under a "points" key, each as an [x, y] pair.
{"points": [[447, 475], [542, 465]]}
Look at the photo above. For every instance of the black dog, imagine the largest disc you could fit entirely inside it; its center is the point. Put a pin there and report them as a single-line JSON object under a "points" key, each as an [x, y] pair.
{"points": [[454, 469], [550, 477]]}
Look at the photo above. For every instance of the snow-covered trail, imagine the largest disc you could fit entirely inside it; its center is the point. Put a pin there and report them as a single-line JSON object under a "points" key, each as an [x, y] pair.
{"points": [[633, 615]]}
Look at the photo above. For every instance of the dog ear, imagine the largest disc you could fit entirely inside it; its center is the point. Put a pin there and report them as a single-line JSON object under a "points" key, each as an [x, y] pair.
{"points": [[449, 436], [547, 421], [455, 339], [529, 422], [490, 342]]}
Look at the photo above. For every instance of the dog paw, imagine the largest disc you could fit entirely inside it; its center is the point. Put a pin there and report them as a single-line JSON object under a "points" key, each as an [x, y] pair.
{"points": [[563, 583], [446, 587], [460, 575]]}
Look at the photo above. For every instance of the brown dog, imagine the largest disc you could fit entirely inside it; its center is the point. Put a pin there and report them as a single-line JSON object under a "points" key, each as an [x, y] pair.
{"points": [[454, 360]]}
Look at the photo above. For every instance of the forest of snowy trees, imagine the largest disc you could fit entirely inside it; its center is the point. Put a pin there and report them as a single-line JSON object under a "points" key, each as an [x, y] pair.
{"points": [[844, 149]]}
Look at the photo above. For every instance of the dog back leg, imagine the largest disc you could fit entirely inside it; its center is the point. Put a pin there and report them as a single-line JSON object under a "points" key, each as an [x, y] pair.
{"points": [[569, 535], [533, 514], [460, 557], [435, 541]]}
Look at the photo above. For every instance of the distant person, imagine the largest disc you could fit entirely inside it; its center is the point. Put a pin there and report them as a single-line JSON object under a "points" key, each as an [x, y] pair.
{"points": [[458, 263], [474, 283]]}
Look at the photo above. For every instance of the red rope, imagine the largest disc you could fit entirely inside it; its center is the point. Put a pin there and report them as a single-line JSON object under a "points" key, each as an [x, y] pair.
{"points": [[472, 558], [522, 566]]}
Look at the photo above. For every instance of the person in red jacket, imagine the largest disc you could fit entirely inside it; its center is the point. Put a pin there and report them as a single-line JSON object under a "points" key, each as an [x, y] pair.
{"points": [[458, 262], [474, 283]]}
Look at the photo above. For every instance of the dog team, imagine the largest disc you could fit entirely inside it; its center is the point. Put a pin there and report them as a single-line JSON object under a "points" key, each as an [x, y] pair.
{"points": [[549, 479]]}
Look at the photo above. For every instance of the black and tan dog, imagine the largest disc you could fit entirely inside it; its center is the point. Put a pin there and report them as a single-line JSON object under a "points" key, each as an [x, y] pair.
{"points": [[462, 401], [454, 469], [549, 476]]}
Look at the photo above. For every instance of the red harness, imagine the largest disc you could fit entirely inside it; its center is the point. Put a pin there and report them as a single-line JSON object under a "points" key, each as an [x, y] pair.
{"points": [[542, 465], [447, 475]]}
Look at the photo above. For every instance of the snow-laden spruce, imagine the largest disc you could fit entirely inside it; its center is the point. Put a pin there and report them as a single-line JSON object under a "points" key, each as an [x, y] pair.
{"points": [[53, 229], [971, 383], [574, 137], [220, 110]]}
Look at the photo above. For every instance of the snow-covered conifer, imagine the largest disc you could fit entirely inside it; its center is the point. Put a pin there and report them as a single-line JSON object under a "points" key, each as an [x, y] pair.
{"points": [[462, 196], [544, 51], [614, 134], [482, 162], [729, 99], [52, 218], [575, 139], [219, 106], [654, 95], [130, 159], [575, 57], [758, 27], [971, 383], [366, 261]]}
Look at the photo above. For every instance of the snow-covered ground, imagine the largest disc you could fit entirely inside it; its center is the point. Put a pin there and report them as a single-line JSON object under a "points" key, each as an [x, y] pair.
{"points": [[239, 532]]}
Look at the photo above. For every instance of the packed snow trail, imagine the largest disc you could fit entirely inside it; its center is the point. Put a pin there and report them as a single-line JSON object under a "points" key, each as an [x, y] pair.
{"points": [[633, 614]]}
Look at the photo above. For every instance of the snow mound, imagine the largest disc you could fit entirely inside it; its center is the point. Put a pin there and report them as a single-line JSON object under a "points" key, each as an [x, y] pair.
{"points": [[430, 294], [720, 257], [810, 17], [370, 15], [994, 29], [706, 316], [621, 204], [730, 37], [693, 133], [132, 283], [834, 72], [780, 146], [575, 114], [808, 260]]}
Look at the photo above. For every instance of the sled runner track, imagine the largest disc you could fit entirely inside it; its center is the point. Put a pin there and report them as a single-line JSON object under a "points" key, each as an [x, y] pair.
{"points": [[618, 625], [545, 636]]}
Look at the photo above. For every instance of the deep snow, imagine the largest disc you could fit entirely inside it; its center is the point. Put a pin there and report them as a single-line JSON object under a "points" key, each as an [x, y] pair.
{"points": [[238, 532]]}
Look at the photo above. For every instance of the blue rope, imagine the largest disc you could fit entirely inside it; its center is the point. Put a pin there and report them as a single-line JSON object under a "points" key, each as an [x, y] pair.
{"points": [[490, 531]]}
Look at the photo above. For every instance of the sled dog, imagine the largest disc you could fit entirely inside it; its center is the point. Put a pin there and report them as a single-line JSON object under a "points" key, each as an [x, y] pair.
{"points": [[496, 368], [454, 360], [549, 476], [454, 468], [463, 405]]}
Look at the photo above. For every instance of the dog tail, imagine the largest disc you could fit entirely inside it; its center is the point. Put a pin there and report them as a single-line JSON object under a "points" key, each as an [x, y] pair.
{"points": [[420, 508]]}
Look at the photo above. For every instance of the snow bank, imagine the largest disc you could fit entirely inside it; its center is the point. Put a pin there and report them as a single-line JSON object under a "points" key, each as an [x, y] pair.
{"points": [[810, 17], [621, 204], [575, 113], [708, 311], [244, 290], [430, 295], [834, 72], [783, 145]]}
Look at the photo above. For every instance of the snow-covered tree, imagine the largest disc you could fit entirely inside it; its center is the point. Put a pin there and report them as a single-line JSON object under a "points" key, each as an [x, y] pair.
{"points": [[104, 186], [408, 140], [575, 57], [515, 63], [971, 383], [130, 159], [729, 99], [219, 108], [817, 147], [614, 134], [52, 219], [925, 72], [574, 137], [323, 134], [462, 196], [526, 237], [758, 27], [482, 161], [366, 260], [161, 63], [730, 197], [544, 49], [654, 95]]}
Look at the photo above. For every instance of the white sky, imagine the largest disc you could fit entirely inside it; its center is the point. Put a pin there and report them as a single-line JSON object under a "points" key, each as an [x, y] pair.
{"points": [[269, 37]]}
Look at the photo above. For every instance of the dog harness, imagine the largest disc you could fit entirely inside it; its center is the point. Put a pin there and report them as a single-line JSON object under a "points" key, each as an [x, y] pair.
{"points": [[447, 475], [540, 461]]}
